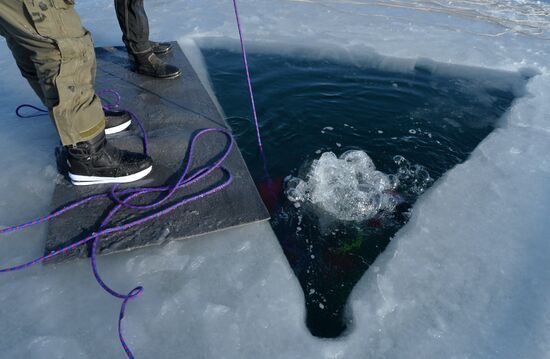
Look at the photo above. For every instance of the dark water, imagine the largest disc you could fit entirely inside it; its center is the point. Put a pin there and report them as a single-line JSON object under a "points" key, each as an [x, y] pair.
{"points": [[307, 107]]}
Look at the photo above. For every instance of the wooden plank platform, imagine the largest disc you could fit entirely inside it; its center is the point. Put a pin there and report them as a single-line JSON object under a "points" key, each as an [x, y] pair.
{"points": [[172, 110]]}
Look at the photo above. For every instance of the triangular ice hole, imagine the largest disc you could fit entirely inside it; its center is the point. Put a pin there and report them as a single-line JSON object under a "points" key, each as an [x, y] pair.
{"points": [[431, 114]]}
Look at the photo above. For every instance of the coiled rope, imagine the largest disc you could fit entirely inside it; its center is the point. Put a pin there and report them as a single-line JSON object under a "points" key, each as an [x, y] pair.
{"points": [[124, 198]]}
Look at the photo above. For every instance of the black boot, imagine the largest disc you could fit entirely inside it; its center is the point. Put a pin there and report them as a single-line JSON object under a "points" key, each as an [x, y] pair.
{"points": [[96, 162], [116, 121], [161, 48], [151, 65]]}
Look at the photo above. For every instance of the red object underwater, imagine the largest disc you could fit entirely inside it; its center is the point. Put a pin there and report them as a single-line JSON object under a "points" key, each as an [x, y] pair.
{"points": [[271, 192]]}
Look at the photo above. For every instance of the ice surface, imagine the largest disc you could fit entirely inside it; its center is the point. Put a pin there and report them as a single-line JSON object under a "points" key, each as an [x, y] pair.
{"points": [[204, 298], [467, 277]]}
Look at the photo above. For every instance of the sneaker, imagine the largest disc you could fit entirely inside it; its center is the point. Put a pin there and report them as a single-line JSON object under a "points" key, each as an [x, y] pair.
{"points": [[116, 121], [161, 48], [150, 64], [98, 162]]}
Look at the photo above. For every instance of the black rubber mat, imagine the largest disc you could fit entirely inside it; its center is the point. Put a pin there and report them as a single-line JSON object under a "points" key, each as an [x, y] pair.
{"points": [[172, 111]]}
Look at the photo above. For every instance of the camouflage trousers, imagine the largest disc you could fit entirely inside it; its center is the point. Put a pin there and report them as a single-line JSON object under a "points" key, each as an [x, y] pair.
{"points": [[56, 55]]}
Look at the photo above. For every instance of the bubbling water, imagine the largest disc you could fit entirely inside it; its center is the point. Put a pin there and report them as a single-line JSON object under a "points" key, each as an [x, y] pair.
{"points": [[350, 188]]}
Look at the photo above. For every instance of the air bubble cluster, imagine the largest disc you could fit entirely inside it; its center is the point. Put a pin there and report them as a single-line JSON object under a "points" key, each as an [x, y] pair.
{"points": [[350, 188], [412, 179]]}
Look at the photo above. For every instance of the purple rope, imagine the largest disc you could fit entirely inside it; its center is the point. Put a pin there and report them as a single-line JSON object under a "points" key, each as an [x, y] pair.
{"points": [[110, 106], [44, 112], [144, 136], [39, 111], [107, 106], [123, 199], [252, 100], [249, 81]]}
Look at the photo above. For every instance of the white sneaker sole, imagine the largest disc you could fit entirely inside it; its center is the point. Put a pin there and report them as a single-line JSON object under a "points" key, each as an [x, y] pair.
{"points": [[117, 129], [79, 180]]}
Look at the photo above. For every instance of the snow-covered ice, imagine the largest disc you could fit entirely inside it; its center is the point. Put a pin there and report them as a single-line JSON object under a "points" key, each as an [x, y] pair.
{"points": [[467, 277]]}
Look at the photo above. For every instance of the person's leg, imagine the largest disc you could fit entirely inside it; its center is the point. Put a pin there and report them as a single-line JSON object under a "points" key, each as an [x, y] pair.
{"points": [[49, 36], [134, 25], [135, 35], [26, 66], [115, 120]]}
